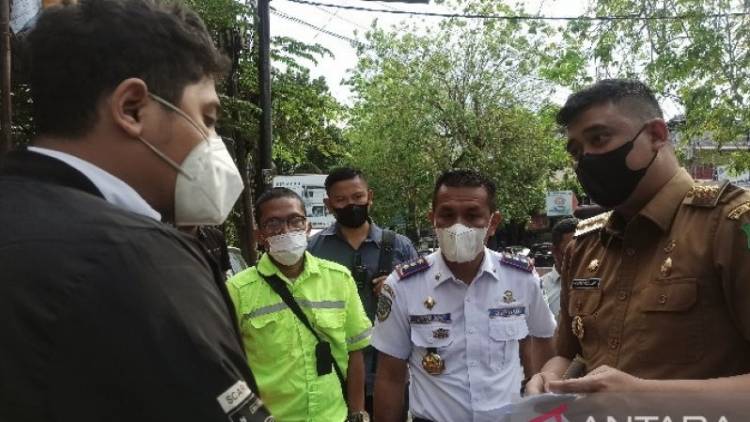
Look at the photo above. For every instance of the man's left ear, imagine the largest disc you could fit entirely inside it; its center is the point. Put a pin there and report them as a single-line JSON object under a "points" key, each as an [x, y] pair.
{"points": [[659, 132], [308, 229], [126, 105], [370, 196]]}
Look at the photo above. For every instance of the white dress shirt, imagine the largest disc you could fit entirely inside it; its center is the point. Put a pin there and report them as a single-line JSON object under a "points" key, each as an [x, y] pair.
{"points": [[114, 190], [475, 328], [551, 289]]}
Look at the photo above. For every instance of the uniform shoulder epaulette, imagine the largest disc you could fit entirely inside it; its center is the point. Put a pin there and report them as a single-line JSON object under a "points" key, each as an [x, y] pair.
{"points": [[705, 194], [333, 266], [739, 211], [518, 262], [592, 224], [410, 268]]}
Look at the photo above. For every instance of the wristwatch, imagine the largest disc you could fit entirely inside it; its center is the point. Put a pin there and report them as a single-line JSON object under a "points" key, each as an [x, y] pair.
{"points": [[360, 416]]}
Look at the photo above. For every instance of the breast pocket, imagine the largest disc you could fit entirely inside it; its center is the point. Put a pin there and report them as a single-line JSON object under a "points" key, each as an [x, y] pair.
{"points": [[671, 322], [330, 323], [584, 304], [504, 335], [268, 332], [439, 336]]}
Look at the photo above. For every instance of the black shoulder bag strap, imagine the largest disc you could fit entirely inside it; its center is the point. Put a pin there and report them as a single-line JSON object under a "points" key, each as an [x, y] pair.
{"points": [[385, 262], [323, 356]]}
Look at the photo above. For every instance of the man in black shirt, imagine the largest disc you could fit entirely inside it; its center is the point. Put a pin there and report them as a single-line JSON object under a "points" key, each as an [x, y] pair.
{"points": [[214, 243], [106, 313]]}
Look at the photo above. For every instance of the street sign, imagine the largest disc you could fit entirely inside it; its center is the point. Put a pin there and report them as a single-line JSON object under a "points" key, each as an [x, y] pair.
{"points": [[560, 203]]}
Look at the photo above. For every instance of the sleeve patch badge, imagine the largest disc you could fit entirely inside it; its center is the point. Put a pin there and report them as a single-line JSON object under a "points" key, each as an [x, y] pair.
{"points": [[384, 308], [241, 404], [388, 289]]}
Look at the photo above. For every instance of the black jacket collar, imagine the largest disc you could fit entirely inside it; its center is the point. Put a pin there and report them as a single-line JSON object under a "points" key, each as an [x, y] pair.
{"points": [[45, 169]]}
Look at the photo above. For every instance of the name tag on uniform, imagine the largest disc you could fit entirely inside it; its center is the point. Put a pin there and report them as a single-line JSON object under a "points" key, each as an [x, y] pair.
{"points": [[586, 283], [429, 319], [507, 312]]}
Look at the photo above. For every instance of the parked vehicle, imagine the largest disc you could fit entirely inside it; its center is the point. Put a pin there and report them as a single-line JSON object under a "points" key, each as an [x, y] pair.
{"points": [[542, 254]]}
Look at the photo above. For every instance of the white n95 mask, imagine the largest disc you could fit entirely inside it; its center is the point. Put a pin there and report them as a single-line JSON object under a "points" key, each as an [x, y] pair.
{"points": [[207, 186], [208, 182], [459, 243], [288, 248]]}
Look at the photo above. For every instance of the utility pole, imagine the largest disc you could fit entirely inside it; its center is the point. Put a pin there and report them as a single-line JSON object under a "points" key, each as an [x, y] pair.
{"points": [[5, 103], [244, 225], [265, 169]]}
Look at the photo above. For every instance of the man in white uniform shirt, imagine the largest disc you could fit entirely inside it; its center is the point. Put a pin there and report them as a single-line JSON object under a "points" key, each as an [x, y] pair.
{"points": [[459, 318], [562, 234]]}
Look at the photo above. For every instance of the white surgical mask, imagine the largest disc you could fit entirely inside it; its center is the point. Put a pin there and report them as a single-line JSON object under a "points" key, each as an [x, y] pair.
{"points": [[288, 248], [208, 182], [459, 243]]}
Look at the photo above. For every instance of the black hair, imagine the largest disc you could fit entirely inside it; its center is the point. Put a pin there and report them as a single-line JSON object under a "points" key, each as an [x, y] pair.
{"points": [[340, 174], [275, 193], [563, 227], [459, 178], [79, 53], [635, 95]]}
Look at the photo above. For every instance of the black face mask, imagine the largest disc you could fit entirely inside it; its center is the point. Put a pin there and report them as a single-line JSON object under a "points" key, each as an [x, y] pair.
{"points": [[607, 178], [352, 215]]}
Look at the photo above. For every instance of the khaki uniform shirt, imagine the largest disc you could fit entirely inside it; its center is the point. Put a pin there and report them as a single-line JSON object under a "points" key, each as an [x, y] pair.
{"points": [[667, 294]]}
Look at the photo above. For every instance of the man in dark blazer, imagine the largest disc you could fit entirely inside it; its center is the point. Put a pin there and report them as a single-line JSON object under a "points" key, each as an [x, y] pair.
{"points": [[107, 313]]}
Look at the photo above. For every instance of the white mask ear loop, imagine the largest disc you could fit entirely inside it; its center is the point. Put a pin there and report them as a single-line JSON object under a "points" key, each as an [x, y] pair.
{"points": [[172, 107], [163, 156]]}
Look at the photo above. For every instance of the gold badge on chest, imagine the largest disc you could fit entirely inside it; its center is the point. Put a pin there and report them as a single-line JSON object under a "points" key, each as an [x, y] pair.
{"points": [[432, 363], [666, 267], [429, 303], [593, 266], [577, 327]]}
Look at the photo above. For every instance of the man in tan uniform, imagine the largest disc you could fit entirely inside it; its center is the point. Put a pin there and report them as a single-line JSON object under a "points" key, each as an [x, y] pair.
{"points": [[656, 292]]}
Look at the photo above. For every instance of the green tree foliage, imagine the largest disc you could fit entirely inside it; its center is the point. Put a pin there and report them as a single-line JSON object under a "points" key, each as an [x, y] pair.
{"points": [[699, 60], [304, 112], [305, 115], [465, 94]]}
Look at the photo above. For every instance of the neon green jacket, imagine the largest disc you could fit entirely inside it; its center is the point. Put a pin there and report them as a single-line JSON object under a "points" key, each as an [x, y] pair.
{"points": [[281, 350]]}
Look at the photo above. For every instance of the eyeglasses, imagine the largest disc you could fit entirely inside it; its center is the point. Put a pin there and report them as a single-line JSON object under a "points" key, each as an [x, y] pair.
{"points": [[276, 225]]}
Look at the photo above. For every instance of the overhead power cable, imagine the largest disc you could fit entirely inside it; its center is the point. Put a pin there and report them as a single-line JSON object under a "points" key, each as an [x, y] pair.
{"points": [[328, 12], [631, 17], [315, 27]]}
